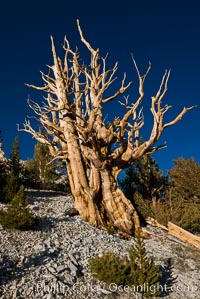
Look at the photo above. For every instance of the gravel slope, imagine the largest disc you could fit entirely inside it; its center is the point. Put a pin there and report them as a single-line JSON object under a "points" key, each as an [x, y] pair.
{"points": [[52, 261]]}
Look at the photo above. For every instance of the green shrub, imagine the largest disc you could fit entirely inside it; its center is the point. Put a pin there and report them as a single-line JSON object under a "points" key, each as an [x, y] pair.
{"points": [[143, 206], [138, 270], [184, 213], [17, 215], [143, 269], [110, 229], [11, 188], [188, 216], [110, 268]]}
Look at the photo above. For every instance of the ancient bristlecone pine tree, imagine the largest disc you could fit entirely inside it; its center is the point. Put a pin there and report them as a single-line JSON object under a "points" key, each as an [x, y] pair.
{"points": [[74, 129]]}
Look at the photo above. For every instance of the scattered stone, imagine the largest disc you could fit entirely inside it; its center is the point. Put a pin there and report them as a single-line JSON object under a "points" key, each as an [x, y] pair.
{"points": [[72, 259], [71, 212], [72, 268], [52, 270], [53, 261], [39, 247]]}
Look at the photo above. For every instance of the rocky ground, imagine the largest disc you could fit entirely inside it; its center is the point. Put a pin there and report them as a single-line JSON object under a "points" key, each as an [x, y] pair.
{"points": [[52, 261]]}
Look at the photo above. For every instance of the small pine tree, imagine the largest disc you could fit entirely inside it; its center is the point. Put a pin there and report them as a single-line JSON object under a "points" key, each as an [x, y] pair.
{"points": [[139, 270], [109, 268], [3, 171], [30, 178], [17, 215], [13, 179], [46, 171], [3, 178], [15, 163], [11, 188], [143, 272], [42, 172]]}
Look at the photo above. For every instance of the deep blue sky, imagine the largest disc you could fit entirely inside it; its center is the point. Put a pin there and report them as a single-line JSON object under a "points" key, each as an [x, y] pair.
{"points": [[167, 33]]}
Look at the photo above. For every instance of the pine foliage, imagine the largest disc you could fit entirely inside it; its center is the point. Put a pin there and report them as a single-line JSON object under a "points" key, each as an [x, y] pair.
{"points": [[184, 198], [137, 270], [17, 215], [43, 173], [185, 176], [110, 268], [145, 185], [13, 178], [144, 272], [11, 187], [3, 176], [144, 177], [174, 198], [15, 163]]}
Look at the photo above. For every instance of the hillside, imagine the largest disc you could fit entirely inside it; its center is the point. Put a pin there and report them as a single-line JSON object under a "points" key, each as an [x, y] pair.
{"points": [[52, 261]]}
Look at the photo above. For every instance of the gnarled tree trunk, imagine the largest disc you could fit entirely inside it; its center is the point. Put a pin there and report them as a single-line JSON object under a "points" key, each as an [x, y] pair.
{"points": [[75, 131], [95, 189], [106, 204], [121, 212]]}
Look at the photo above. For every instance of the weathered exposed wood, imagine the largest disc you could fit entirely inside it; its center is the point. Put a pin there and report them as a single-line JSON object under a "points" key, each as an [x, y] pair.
{"points": [[154, 222], [177, 232], [183, 235], [76, 132]]}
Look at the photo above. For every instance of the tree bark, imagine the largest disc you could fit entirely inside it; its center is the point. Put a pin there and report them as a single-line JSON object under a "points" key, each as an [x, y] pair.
{"points": [[97, 196], [119, 209]]}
